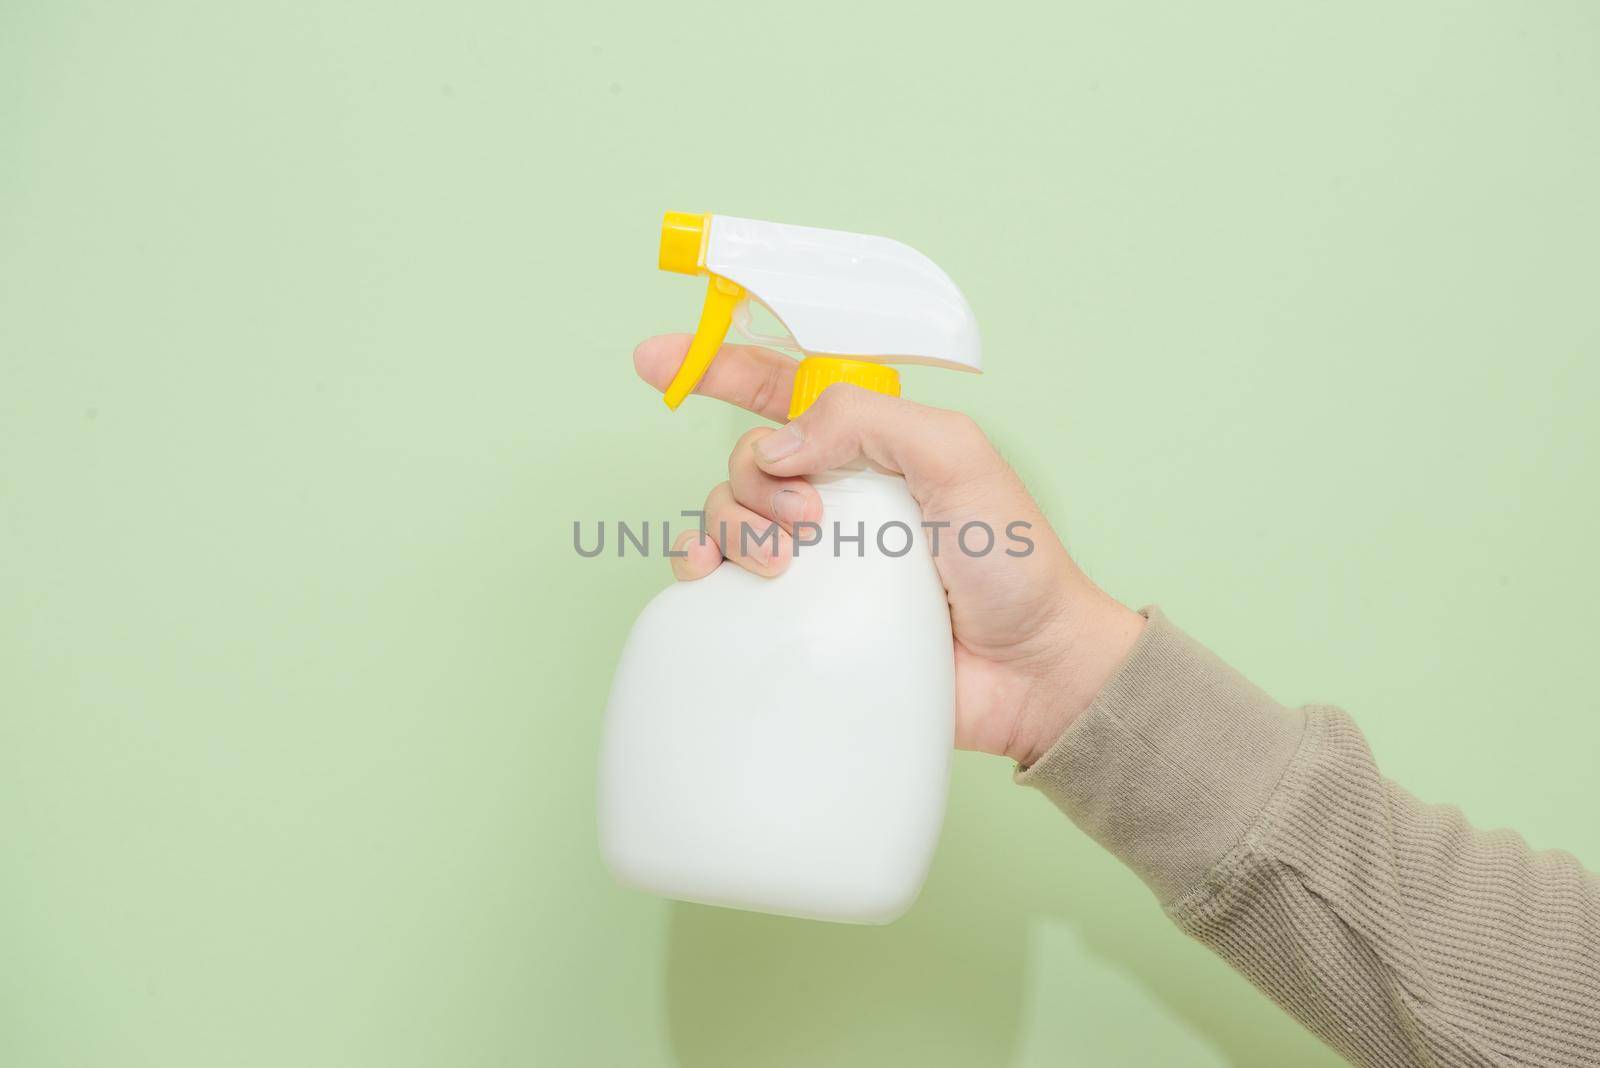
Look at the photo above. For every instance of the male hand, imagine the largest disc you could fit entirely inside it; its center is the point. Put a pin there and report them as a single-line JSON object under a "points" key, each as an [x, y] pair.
{"points": [[1035, 640]]}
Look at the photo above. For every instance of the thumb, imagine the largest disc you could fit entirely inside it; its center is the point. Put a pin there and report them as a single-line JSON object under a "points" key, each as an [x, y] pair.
{"points": [[931, 447]]}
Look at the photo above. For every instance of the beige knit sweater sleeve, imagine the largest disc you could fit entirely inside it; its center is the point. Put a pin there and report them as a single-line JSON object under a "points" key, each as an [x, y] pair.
{"points": [[1392, 929]]}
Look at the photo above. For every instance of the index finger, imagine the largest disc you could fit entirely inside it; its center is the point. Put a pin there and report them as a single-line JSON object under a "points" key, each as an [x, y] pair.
{"points": [[756, 379]]}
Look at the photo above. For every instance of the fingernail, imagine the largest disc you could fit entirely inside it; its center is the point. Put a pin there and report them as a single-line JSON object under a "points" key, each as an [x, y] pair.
{"points": [[682, 549], [788, 506], [779, 443]]}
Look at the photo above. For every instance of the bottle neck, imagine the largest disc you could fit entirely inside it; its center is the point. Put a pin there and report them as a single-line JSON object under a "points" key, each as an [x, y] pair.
{"points": [[817, 373]]}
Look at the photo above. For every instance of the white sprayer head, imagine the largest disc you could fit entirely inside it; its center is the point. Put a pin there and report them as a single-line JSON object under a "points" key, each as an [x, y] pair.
{"points": [[853, 297]]}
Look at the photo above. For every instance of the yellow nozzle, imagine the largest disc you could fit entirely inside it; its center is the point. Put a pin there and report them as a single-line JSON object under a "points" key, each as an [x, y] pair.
{"points": [[683, 242], [683, 250]]}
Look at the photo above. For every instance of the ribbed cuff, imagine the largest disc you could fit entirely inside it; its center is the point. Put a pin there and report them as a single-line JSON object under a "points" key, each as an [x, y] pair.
{"points": [[1173, 762]]}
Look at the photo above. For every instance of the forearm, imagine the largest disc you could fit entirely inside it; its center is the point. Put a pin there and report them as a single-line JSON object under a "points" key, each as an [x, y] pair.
{"points": [[1390, 928]]}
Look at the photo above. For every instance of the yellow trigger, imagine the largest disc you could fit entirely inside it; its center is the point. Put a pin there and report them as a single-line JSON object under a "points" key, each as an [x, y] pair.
{"points": [[715, 318]]}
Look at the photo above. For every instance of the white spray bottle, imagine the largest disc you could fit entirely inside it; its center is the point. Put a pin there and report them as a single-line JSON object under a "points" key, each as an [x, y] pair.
{"points": [[783, 744]]}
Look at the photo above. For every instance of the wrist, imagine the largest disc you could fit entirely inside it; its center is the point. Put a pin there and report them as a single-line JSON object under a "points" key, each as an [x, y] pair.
{"points": [[1092, 642]]}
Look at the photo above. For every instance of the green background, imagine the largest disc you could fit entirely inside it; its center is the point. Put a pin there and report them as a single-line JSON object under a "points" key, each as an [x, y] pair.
{"points": [[315, 325]]}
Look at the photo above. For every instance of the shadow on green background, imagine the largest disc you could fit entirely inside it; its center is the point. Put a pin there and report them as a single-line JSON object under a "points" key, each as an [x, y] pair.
{"points": [[958, 980], [745, 988]]}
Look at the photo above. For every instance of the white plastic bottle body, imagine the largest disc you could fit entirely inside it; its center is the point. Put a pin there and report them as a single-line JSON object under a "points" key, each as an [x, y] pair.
{"points": [[783, 744]]}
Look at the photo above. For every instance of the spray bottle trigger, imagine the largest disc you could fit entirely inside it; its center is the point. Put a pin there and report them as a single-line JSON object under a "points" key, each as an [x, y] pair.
{"points": [[722, 296]]}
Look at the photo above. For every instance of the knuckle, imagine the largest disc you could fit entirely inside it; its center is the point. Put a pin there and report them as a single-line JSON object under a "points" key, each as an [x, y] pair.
{"points": [[972, 461], [838, 399], [969, 437], [742, 460], [962, 426], [749, 438], [766, 391], [843, 403]]}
